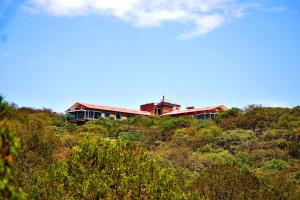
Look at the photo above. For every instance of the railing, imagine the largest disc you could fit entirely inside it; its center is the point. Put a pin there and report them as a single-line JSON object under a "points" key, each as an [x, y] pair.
{"points": [[83, 115]]}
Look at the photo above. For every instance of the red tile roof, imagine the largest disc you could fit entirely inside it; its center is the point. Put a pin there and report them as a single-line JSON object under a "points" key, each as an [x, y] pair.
{"points": [[113, 109], [189, 111]]}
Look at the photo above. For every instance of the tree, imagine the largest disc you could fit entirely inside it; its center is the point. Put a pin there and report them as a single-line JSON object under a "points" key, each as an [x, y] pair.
{"points": [[107, 170], [8, 150], [226, 181]]}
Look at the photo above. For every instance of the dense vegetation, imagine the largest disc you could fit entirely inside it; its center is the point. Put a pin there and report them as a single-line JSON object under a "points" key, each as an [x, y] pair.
{"points": [[242, 154]]}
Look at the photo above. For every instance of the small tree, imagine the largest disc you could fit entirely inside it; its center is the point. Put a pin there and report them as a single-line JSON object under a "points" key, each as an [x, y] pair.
{"points": [[107, 170], [8, 146]]}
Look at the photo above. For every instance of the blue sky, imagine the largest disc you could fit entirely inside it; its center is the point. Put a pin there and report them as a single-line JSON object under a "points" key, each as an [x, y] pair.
{"points": [[125, 53]]}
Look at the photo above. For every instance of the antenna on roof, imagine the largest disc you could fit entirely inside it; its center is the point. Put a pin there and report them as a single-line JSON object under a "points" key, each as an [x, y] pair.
{"points": [[162, 105]]}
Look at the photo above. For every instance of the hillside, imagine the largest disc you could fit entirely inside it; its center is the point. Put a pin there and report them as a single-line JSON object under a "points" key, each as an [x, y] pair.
{"points": [[252, 153]]}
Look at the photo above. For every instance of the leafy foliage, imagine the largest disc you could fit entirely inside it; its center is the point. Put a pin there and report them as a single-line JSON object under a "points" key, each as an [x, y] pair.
{"points": [[8, 150], [107, 170], [275, 165], [251, 153], [226, 182]]}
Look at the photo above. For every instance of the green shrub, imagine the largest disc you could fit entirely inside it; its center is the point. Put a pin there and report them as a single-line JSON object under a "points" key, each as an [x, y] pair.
{"points": [[293, 149], [210, 148], [201, 123], [233, 112], [232, 138], [207, 135], [8, 151], [38, 146], [58, 120], [290, 120], [297, 176], [93, 128], [279, 185], [208, 159], [173, 123], [275, 165], [71, 127], [107, 170], [245, 160], [226, 182], [241, 154], [132, 136], [142, 121]]}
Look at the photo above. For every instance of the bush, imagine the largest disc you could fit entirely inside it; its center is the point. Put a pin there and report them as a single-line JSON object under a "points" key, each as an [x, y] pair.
{"points": [[226, 182], [279, 185], [205, 160], [275, 165], [290, 120], [231, 139], [38, 145], [273, 134], [107, 170], [293, 149], [142, 121], [245, 160], [297, 176], [201, 123], [131, 136], [58, 120], [241, 154], [94, 128], [206, 136], [8, 150], [173, 123]]}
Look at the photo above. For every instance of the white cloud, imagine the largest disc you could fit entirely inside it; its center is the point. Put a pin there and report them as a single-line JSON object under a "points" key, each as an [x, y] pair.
{"points": [[204, 15], [204, 24]]}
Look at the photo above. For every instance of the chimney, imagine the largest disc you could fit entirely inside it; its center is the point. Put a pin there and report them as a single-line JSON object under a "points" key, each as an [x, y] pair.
{"points": [[190, 107]]}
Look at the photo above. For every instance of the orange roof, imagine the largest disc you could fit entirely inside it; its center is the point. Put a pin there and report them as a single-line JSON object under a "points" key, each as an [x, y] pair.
{"points": [[113, 109], [188, 111]]}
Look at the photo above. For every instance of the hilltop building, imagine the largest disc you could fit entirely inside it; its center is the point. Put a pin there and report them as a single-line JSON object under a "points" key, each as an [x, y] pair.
{"points": [[82, 112], [160, 108]]}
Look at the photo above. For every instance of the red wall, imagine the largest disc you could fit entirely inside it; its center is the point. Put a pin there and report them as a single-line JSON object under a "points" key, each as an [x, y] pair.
{"points": [[166, 110], [148, 107]]}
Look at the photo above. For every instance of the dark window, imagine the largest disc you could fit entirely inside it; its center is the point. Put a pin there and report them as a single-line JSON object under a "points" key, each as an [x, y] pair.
{"points": [[118, 116], [97, 115], [202, 116], [107, 114], [158, 111], [71, 116], [80, 115]]}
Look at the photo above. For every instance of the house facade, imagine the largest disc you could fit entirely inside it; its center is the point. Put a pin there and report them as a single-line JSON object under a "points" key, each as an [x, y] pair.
{"points": [[82, 112], [199, 113], [160, 108]]}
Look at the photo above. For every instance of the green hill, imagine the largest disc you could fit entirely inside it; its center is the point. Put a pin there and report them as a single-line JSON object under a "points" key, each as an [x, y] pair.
{"points": [[252, 153]]}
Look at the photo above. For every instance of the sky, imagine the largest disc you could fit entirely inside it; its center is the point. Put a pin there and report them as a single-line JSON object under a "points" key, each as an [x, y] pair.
{"points": [[124, 53]]}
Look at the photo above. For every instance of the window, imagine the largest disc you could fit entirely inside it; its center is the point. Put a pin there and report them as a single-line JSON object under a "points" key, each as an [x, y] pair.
{"points": [[71, 116], [107, 114], [158, 111], [80, 115], [202, 116], [90, 114], [97, 115], [118, 116]]}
